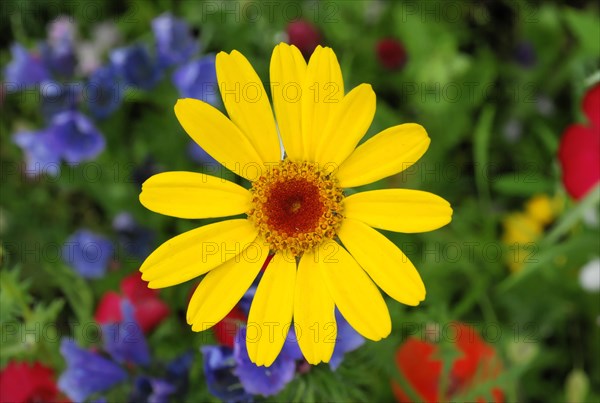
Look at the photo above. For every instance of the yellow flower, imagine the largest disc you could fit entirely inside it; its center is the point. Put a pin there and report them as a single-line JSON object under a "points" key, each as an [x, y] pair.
{"points": [[521, 228], [521, 231], [542, 208], [296, 209]]}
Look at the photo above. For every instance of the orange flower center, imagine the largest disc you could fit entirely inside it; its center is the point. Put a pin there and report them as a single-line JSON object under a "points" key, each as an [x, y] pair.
{"points": [[296, 206]]}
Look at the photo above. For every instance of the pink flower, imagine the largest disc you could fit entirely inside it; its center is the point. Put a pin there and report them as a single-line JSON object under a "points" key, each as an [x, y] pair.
{"points": [[149, 310], [579, 149], [22, 382]]}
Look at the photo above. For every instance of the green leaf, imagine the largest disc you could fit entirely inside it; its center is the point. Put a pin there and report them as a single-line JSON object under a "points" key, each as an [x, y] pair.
{"points": [[585, 27], [77, 291], [573, 216], [522, 184]]}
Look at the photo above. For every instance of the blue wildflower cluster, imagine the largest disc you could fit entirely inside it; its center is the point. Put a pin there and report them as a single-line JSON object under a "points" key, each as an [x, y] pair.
{"points": [[90, 254], [232, 377], [125, 359], [73, 84]]}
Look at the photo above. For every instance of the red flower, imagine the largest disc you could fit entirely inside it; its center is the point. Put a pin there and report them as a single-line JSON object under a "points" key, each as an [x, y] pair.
{"points": [[304, 36], [149, 310], [391, 53], [22, 382], [417, 361], [579, 149], [227, 328]]}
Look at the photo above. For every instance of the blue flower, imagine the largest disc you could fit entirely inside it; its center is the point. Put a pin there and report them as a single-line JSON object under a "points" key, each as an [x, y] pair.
{"points": [[525, 54], [104, 92], [135, 239], [174, 40], [246, 300], [87, 372], [88, 253], [136, 66], [198, 155], [198, 79], [266, 381], [59, 51], [24, 70], [151, 390], [145, 170], [178, 372], [77, 136], [219, 366], [57, 97], [42, 153], [347, 340], [125, 341]]}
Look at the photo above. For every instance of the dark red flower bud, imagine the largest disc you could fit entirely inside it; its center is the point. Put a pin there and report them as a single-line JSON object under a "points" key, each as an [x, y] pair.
{"points": [[391, 53], [304, 36]]}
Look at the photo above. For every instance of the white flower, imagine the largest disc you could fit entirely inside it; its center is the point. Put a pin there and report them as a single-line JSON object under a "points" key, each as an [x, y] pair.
{"points": [[589, 276]]}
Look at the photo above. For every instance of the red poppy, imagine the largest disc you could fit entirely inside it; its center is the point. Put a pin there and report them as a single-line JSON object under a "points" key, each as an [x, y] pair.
{"points": [[304, 36], [391, 53], [22, 382], [579, 149], [149, 310], [417, 361]]}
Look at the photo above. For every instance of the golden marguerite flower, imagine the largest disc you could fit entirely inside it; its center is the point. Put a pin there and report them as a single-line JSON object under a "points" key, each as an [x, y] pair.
{"points": [[324, 250]]}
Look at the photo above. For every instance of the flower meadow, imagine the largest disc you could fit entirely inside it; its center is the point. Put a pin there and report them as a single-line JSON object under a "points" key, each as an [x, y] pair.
{"points": [[339, 201]]}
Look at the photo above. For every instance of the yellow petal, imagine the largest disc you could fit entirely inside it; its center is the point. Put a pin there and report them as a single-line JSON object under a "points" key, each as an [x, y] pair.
{"points": [[349, 122], [194, 195], [271, 312], [197, 251], [389, 268], [353, 292], [287, 71], [247, 103], [400, 210], [314, 313], [222, 288], [322, 92], [219, 137], [387, 153]]}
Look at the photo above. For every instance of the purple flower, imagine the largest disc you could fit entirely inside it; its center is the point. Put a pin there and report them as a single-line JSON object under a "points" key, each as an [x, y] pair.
{"points": [[59, 51], [151, 390], [24, 70], [136, 66], [42, 153], [88, 253], [266, 381], [77, 136], [57, 97], [145, 170], [174, 40], [246, 300], [525, 55], [87, 372], [198, 155], [198, 79], [219, 366], [178, 372], [104, 92], [135, 239], [347, 340], [125, 341]]}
